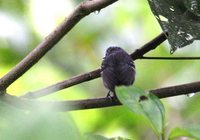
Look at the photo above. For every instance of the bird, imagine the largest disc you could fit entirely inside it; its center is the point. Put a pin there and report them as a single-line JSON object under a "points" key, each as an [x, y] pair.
{"points": [[117, 69]]}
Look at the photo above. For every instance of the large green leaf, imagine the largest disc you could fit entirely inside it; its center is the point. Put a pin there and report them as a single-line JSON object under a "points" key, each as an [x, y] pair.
{"points": [[191, 132], [144, 104], [42, 124], [180, 18]]}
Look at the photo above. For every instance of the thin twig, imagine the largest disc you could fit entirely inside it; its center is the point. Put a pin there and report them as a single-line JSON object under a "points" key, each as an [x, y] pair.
{"points": [[169, 58], [64, 84], [29, 104], [177, 90], [84, 9], [93, 74], [151, 45]]}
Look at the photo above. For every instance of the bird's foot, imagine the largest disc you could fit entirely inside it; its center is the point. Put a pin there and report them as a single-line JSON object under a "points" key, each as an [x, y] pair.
{"points": [[109, 96]]}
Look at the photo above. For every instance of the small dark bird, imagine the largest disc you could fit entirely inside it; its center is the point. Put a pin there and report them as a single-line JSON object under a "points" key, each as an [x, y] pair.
{"points": [[117, 69]]}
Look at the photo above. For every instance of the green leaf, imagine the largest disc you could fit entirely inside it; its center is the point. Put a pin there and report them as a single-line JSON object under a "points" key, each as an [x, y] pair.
{"points": [[99, 137], [180, 18], [193, 6], [95, 137], [143, 104], [119, 138], [42, 124], [191, 132]]}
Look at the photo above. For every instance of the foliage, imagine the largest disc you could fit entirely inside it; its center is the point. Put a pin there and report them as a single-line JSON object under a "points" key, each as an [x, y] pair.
{"points": [[151, 108], [42, 124], [144, 104], [128, 24], [99, 137], [180, 18], [190, 132]]}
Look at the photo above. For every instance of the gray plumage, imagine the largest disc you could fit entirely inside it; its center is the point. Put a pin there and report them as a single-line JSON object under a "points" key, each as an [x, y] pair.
{"points": [[117, 69]]}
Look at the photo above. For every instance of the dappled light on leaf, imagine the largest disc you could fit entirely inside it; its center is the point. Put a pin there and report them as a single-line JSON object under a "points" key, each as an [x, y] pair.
{"points": [[143, 104], [180, 18], [190, 132]]}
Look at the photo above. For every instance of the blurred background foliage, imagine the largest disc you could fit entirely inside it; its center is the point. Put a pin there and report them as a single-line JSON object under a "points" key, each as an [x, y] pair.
{"points": [[128, 24]]}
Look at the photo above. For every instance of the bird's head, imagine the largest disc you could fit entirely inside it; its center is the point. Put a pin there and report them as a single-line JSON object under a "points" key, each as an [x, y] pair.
{"points": [[112, 49]]}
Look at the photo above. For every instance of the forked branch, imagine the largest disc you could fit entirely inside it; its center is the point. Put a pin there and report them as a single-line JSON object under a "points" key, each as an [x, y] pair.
{"points": [[83, 9], [29, 104], [95, 73]]}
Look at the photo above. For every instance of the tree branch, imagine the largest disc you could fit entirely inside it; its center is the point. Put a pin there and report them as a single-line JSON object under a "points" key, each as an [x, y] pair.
{"points": [[64, 84], [29, 104], [177, 90], [93, 74], [151, 45], [84, 9], [170, 58]]}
